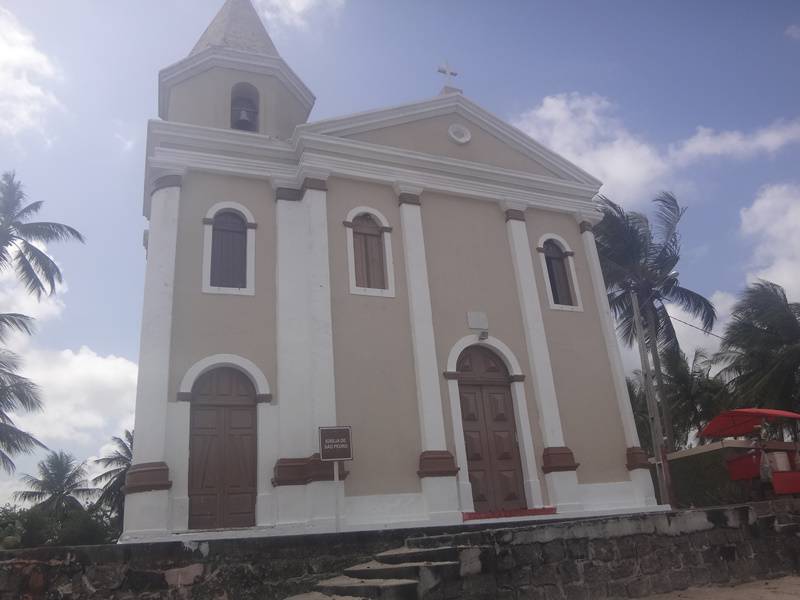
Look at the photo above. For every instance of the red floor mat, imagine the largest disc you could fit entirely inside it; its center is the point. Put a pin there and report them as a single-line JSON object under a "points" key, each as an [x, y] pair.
{"points": [[506, 514]]}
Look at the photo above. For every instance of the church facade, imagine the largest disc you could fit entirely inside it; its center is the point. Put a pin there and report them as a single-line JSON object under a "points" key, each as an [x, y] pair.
{"points": [[425, 274]]}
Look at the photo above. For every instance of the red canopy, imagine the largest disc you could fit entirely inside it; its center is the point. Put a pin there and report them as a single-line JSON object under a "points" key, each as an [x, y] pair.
{"points": [[743, 421]]}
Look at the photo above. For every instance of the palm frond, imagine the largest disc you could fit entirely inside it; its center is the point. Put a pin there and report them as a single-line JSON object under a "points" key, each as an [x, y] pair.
{"points": [[45, 266], [27, 212], [695, 304], [15, 322], [48, 232], [28, 275]]}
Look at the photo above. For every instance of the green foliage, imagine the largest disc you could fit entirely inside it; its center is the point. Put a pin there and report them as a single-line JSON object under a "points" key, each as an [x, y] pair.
{"points": [[693, 394], [81, 527], [112, 479], [702, 480], [639, 257], [60, 486], [19, 235], [760, 349], [17, 394]]}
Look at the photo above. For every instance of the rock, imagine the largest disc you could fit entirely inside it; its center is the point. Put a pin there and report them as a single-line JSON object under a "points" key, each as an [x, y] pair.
{"points": [[184, 575]]}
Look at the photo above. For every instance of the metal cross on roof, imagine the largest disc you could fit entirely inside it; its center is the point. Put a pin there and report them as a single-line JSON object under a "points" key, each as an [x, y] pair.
{"points": [[448, 72]]}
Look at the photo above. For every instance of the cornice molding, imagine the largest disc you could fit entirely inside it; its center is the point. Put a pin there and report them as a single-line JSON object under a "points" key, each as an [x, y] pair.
{"points": [[231, 59], [175, 147]]}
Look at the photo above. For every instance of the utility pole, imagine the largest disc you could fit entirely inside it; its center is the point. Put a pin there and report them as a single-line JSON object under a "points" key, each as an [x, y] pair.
{"points": [[656, 430]]}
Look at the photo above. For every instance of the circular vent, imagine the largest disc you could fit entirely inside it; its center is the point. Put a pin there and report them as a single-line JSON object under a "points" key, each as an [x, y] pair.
{"points": [[459, 134]]}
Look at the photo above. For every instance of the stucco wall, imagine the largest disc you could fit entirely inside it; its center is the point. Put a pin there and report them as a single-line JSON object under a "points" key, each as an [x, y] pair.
{"points": [[581, 367], [430, 136], [207, 324], [375, 386], [470, 269], [279, 111]]}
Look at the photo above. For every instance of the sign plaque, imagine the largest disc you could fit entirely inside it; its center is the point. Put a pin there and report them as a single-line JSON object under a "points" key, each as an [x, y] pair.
{"points": [[335, 443]]}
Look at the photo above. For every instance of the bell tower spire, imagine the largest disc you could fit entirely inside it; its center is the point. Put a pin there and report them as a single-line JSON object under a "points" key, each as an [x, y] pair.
{"points": [[237, 26], [235, 78]]}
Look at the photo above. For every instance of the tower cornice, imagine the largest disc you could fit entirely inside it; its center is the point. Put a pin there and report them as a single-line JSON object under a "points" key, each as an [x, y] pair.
{"points": [[218, 57]]}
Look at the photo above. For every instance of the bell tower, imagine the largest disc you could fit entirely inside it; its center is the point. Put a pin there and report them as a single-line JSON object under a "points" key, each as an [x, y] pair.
{"points": [[234, 78]]}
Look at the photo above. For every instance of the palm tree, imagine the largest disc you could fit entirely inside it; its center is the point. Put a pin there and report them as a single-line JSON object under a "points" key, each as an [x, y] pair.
{"points": [[761, 348], [693, 394], [639, 256], [17, 393], [60, 486], [19, 235], [117, 464]]}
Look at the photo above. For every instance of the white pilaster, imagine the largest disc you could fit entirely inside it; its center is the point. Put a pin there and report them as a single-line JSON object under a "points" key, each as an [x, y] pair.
{"points": [[640, 477], [562, 486], [147, 512], [293, 396], [422, 337], [323, 385], [306, 386], [441, 493]]}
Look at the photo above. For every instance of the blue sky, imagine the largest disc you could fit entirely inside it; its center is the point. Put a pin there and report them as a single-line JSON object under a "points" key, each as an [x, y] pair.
{"points": [[701, 98]]}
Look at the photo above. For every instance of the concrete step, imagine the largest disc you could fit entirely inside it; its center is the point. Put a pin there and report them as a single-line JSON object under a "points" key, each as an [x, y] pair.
{"points": [[448, 569], [321, 596], [413, 555], [787, 527], [376, 589]]}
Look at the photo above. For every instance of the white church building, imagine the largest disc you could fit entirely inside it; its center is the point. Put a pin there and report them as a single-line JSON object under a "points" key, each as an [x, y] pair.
{"points": [[425, 274]]}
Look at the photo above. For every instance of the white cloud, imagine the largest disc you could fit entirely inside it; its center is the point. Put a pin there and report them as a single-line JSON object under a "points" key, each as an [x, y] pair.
{"points": [[296, 13], [707, 143], [24, 69], [772, 222], [87, 397], [586, 130], [793, 31]]}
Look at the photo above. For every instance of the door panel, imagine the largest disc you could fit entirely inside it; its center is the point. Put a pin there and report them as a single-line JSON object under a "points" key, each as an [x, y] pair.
{"points": [[222, 451], [506, 466], [490, 435]]}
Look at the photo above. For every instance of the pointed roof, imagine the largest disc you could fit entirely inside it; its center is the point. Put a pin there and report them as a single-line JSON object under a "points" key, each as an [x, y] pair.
{"points": [[237, 26]]}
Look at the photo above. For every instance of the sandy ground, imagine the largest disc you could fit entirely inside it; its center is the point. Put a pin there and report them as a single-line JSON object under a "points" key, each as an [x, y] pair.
{"points": [[776, 589]]}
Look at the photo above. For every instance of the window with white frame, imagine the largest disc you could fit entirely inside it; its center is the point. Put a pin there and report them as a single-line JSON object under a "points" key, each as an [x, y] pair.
{"points": [[369, 253], [229, 250], [558, 268]]}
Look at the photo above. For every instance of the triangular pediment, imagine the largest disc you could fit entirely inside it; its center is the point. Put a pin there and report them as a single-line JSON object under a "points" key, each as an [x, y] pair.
{"points": [[454, 127]]}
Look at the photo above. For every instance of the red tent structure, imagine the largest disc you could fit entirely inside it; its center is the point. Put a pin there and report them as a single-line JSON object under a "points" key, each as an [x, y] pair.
{"points": [[746, 467], [743, 421]]}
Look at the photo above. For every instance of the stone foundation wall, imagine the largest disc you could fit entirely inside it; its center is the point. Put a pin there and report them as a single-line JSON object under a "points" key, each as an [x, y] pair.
{"points": [[629, 556]]}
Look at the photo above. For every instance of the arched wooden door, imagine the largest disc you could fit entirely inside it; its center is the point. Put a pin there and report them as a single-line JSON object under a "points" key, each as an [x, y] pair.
{"points": [[222, 451], [490, 432]]}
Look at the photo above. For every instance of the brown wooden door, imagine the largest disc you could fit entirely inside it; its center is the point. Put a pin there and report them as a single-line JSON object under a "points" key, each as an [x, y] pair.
{"points": [[222, 451], [490, 436]]}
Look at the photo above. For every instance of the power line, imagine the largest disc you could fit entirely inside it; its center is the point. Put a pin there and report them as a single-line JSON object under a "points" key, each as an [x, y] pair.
{"points": [[695, 326]]}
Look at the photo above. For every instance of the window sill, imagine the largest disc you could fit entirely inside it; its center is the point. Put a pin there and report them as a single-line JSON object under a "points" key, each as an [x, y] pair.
{"points": [[378, 293], [566, 307], [207, 289]]}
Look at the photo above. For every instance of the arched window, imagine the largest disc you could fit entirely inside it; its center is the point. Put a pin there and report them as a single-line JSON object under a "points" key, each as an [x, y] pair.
{"points": [[368, 253], [244, 107], [229, 251], [559, 269]]}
